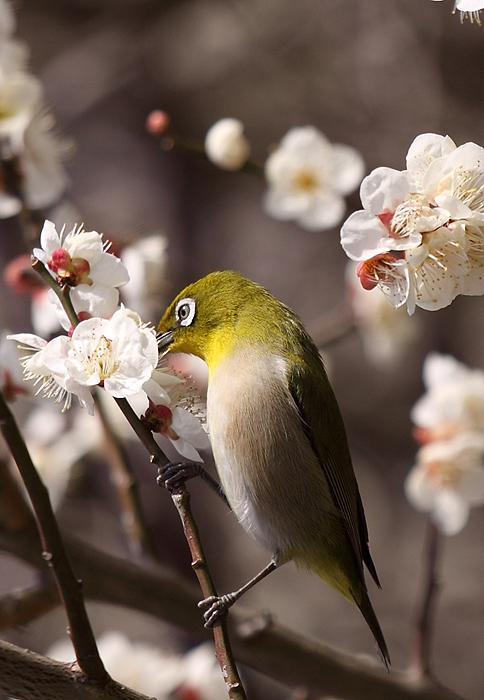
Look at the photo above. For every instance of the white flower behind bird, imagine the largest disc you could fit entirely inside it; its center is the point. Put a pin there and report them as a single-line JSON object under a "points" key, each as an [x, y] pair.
{"points": [[309, 177]]}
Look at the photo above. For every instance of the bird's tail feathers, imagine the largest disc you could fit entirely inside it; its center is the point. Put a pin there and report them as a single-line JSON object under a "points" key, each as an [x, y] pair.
{"points": [[368, 613]]}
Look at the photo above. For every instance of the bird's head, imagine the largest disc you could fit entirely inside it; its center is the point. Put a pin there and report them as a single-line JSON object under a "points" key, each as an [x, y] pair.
{"points": [[210, 315]]}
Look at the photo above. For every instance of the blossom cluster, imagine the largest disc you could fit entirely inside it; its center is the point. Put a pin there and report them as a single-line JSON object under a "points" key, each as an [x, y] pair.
{"points": [[109, 346], [308, 176], [448, 477], [420, 236], [26, 128]]}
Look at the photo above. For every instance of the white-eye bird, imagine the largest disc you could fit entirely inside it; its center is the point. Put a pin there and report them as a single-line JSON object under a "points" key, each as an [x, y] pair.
{"points": [[277, 435]]}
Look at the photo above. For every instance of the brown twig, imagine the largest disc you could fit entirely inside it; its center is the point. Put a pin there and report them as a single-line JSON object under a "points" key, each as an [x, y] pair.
{"points": [[181, 499], [424, 626], [123, 478], [257, 641], [54, 551]]}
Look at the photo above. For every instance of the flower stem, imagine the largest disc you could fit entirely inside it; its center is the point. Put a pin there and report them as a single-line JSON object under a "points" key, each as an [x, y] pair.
{"points": [[62, 293], [197, 148], [424, 626]]}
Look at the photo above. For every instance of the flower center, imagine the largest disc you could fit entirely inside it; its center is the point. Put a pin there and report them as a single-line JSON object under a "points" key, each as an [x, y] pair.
{"points": [[442, 473], [306, 182], [102, 360], [414, 215]]}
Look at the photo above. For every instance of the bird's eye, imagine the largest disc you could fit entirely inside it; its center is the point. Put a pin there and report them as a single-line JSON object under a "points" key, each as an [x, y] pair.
{"points": [[185, 311]]}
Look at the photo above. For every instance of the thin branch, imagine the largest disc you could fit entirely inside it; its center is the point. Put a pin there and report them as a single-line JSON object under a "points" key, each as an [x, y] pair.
{"points": [[54, 551], [33, 677], [258, 642], [27, 604], [181, 499], [424, 626], [61, 292], [123, 478]]}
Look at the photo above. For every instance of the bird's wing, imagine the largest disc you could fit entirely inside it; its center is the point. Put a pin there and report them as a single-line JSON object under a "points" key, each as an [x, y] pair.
{"points": [[324, 427]]}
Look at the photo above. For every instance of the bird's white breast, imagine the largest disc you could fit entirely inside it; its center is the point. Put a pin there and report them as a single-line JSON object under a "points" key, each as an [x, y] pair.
{"points": [[266, 464]]}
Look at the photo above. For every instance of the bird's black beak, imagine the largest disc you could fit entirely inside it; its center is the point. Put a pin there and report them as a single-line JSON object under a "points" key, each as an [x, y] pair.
{"points": [[164, 339]]}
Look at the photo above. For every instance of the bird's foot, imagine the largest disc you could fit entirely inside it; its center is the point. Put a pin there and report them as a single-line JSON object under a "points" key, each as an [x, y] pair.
{"points": [[218, 607], [174, 472]]}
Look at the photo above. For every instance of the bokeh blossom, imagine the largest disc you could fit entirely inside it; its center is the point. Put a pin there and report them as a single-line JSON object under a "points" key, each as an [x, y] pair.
{"points": [[448, 476], [165, 675], [448, 479], [27, 130], [308, 178], [226, 145], [420, 235]]}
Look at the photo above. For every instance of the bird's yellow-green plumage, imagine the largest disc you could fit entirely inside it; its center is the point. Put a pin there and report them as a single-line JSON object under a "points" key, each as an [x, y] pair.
{"points": [[277, 434]]}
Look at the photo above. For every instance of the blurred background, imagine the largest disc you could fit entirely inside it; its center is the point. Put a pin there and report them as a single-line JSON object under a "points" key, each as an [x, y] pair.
{"points": [[371, 74]]}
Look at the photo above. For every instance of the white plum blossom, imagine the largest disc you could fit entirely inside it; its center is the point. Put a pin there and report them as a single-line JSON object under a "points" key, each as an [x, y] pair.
{"points": [[470, 9], [79, 259], [453, 401], [448, 479], [420, 236], [11, 375], [171, 411], [226, 145], [54, 385], [308, 177], [43, 176], [117, 353], [20, 96]]}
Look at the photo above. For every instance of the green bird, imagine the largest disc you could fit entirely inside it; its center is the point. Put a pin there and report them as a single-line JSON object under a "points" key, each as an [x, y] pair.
{"points": [[277, 435]]}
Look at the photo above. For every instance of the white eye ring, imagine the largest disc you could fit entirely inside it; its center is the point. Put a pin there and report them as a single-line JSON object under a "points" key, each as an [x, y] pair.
{"points": [[185, 311]]}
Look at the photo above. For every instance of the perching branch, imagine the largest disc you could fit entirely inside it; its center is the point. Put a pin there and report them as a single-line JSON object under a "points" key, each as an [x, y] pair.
{"points": [[181, 499], [33, 677], [53, 551], [258, 642]]}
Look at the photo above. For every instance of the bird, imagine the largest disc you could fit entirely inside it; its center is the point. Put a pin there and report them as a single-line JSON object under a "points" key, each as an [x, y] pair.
{"points": [[277, 435]]}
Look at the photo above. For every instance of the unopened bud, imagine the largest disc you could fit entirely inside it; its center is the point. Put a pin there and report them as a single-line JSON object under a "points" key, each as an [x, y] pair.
{"points": [[158, 122], [226, 145]]}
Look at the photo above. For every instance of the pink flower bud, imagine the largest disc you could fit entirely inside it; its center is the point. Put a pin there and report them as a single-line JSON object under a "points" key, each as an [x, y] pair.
{"points": [[158, 122]]}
